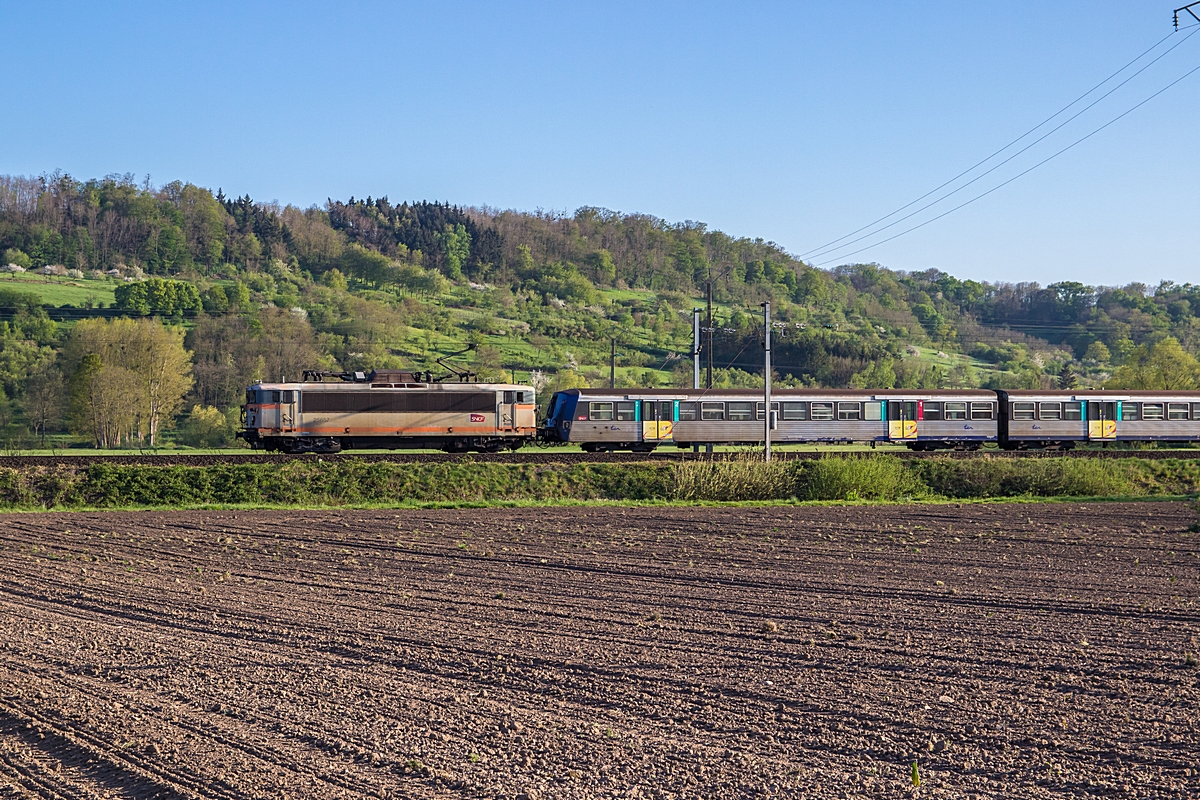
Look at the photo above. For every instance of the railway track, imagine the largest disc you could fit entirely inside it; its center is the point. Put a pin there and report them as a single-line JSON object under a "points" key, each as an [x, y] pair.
{"points": [[539, 456]]}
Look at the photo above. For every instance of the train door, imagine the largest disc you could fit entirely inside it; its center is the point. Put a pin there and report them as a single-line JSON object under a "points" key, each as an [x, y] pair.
{"points": [[268, 409], [658, 420], [287, 409], [1102, 419], [508, 411], [902, 419]]}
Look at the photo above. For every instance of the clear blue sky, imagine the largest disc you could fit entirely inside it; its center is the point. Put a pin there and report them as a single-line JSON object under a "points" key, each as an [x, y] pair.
{"points": [[796, 122]]}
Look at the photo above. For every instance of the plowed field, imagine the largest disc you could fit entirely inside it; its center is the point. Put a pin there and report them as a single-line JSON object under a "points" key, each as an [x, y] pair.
{"points": [[1011, 650]]}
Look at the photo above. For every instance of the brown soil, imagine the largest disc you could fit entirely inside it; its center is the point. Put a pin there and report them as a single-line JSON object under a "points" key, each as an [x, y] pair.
{"points": [[1011, 650]]}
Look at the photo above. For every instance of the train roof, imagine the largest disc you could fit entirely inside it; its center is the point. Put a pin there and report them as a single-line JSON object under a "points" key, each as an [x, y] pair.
{"points": [[1102, 394], [446, 386], [897, 394]]}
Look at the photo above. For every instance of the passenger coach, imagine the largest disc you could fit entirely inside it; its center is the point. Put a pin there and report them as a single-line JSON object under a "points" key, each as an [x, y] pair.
{"points": [[642, 419], [1063, 419], [388, 410]]}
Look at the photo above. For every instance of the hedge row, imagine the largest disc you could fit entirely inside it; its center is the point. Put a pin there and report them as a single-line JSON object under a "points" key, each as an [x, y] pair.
{"points": [[352, 482]]}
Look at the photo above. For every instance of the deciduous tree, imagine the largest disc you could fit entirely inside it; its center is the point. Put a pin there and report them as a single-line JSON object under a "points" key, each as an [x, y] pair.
{"points": [[146, 354], [1162, 365]]}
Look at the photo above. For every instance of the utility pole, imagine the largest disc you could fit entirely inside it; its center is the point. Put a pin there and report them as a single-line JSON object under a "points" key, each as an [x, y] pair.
{"points": [[696, 360], [1188, 9], [612, 366], [710, 337], [767, 381]]}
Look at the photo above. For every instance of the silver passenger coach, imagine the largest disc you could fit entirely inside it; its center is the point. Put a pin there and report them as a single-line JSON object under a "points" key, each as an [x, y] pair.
{"points": [[643, 419]]}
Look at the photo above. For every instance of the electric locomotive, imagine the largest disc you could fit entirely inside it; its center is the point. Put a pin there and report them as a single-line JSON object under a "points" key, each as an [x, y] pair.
{"points": [[388, 410]]}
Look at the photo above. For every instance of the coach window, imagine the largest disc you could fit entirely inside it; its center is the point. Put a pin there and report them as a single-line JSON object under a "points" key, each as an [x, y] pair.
{"points": [[712, 411], [627, 411], [932, 410], [1195, 410], [1152, 411], [799, 411], [687, 412], [1050, 411], [954, 411], [601, 411], [740, 412], [849, 411], [1073, 411], [758, 410], [1177, 410], [981, 410], [1024, 410], [872, 411], [1130, 412], [821, 411]]}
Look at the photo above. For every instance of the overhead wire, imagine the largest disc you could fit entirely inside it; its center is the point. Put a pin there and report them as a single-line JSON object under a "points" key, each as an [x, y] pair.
{"points": [[825, 250], [996, 153], [1015, 177]]}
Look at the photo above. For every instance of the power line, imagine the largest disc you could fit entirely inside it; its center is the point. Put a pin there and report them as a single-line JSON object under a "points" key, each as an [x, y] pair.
{"points": [[998, 152], [822, 251], [1018, 175], [1188, 9]]}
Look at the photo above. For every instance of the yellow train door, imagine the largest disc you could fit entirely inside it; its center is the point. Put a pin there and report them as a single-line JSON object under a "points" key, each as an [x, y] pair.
{"points": [[902, 420], [658, 420], [1102, 420]]}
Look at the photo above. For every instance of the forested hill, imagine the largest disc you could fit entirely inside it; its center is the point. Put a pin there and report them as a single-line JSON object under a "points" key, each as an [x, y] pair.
{"points": [[264, 291]]}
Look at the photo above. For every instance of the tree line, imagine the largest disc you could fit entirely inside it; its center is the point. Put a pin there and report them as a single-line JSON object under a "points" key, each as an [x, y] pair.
{"points": [[252, 290]]}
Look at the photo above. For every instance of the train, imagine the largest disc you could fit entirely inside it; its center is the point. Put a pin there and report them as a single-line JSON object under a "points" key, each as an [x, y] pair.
{"points": [[397, 409], [641, 420], [387, 409]]}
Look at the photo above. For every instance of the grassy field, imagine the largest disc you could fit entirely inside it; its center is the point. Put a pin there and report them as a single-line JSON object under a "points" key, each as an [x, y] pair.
{"points": [[62, 291]]}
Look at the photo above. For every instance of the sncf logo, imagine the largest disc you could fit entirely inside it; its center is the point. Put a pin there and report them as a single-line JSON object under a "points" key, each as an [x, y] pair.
{"points": [[478, 418]]}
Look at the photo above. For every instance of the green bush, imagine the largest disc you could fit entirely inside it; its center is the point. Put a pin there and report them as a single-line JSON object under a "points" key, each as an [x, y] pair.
{"points": [[1037, 477], [744, 477], [310, 482], [206, 426], [858, 478], [14, 256], [316, 483]]}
